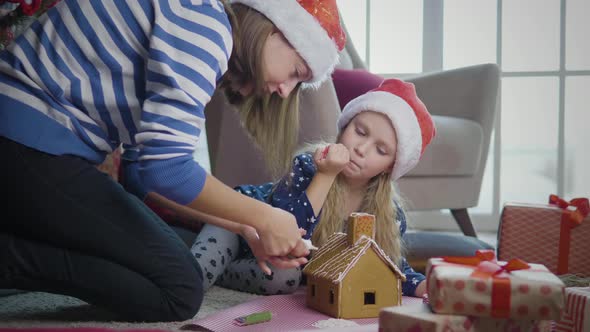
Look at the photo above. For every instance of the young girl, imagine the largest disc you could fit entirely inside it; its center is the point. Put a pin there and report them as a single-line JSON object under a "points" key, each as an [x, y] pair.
{"points": [[89, 76], [382, 135]]}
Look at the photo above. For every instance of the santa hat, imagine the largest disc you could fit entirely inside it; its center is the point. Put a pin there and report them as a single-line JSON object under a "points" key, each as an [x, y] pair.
{"points": [[413, 124], [313, 29]]}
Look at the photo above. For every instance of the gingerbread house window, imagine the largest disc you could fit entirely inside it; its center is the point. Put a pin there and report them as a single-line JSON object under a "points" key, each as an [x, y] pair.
{"points": [[312, 290], [370, 297], [331, 296]]}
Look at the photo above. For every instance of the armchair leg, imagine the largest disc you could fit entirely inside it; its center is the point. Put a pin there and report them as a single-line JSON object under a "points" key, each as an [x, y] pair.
{"points": [[464, 222]]}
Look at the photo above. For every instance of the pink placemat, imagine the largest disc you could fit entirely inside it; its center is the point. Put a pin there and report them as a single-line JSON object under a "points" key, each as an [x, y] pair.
{"points": [[74, 329], [289, 313]]}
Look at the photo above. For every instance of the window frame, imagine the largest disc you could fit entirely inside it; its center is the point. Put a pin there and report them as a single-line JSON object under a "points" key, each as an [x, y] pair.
{"points": [[432, 53]]}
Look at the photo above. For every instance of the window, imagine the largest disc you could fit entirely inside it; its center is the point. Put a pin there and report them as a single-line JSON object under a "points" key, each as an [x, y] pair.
{"points": [[522, 49], [370, 22], [469, 32], [577, 52], [529, 138], [577, 136], [312, 290], [539, 141], [370, 297], [331, 296]]}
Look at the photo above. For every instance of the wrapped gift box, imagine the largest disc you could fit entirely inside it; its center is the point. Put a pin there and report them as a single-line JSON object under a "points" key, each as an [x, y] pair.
{"points": [[555, 235], [481, 286], [576, 316], [422, 319]]}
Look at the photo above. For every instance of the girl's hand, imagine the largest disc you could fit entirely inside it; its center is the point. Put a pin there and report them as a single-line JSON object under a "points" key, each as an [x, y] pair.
{"points": [[332, 159], [421, 289], [280, 234], [255, 244]]}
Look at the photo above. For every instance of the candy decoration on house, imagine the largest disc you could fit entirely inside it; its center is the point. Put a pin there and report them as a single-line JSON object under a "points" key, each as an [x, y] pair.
{"points": [[350, 276], [17, 14]]}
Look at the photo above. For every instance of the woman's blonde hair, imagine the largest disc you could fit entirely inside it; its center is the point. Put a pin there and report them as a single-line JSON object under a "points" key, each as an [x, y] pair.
{"points": [[378, 200], [270, 120]]}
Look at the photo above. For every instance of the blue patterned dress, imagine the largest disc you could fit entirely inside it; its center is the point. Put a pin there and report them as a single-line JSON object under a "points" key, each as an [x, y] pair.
{"points": [[290, 195]]}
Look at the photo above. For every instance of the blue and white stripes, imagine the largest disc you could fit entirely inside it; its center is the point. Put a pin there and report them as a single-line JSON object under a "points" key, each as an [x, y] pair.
{"points": [[92, 74]]}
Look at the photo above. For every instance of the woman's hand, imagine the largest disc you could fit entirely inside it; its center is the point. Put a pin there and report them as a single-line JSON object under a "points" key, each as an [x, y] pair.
{"points": [[255, 244], [276, 228], [280, 234], [332, 159]]}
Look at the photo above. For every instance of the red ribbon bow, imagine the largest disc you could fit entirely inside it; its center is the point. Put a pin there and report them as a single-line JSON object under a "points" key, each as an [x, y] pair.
{"points": [[32, 7], [482, 256], [486, 266], [570, 218]]}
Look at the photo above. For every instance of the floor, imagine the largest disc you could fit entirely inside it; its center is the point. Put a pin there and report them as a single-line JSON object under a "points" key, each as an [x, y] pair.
{"points": [[35, 309], [47, 310]]}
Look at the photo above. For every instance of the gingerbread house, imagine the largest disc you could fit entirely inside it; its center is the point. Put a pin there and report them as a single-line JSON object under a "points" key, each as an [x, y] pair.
{"points": [[350, 276]]}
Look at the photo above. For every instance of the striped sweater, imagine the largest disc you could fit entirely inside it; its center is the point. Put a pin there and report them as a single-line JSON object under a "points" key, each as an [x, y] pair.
{"points": [[90, 75]]}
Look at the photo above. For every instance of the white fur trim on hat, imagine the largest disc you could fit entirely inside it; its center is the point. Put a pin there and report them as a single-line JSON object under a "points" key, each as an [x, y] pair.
{"points": [[404, 121], [304, 33]]}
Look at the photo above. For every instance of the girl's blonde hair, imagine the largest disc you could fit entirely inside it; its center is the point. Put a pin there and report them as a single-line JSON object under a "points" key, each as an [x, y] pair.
{"points": [[270, 120], [378, 200]]}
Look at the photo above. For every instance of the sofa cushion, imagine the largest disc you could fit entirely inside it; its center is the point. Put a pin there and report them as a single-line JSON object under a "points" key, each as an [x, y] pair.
{"points": [[351, 83], [455, 150]]}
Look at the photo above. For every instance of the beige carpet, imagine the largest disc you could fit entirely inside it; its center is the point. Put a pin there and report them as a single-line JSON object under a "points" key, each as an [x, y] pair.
{"points": [[50, 310]]}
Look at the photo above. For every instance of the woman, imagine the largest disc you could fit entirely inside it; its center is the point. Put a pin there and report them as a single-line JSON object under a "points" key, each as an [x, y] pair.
{"points": [[92, 75]]}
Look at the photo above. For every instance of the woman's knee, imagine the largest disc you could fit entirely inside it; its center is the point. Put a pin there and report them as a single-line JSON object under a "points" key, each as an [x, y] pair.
{"points": [[184, 297]]}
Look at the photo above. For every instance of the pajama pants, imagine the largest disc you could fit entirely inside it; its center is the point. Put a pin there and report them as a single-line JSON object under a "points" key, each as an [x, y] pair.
{"points": [[228, 262], [70, 229]]}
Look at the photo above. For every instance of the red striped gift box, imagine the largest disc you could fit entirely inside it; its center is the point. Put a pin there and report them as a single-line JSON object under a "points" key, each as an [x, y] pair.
{"points": [[555, 235], [576, 316]]}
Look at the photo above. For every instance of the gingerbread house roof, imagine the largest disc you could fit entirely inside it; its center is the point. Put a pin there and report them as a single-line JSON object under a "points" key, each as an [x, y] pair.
{"points": [[336, 258]]}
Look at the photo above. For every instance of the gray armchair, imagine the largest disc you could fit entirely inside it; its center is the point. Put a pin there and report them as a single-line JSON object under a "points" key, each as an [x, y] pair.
{"points": [[463, 103], [449, 175]]}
